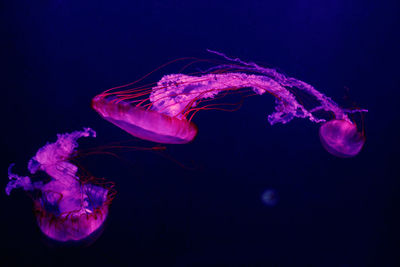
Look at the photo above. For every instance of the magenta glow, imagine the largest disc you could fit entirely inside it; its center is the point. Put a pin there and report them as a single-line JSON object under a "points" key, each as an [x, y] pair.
{"points": [[163, 112], [67, 207]]}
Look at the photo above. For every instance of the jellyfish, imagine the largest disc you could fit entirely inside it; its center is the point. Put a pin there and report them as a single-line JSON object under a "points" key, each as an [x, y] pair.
{"points": [[67, 207], [270, 197], [341, 138], [163, 113]]}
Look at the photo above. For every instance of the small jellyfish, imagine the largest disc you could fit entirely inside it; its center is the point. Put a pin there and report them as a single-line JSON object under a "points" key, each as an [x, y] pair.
{"points": [[269, 197], [67, 207], [163, 113], [341, 138]]}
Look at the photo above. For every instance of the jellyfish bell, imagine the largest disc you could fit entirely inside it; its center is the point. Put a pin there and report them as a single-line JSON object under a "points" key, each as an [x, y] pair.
{"points": [[270, 197], [63, 218], [79, 243], [145, 123], [341, 138]]}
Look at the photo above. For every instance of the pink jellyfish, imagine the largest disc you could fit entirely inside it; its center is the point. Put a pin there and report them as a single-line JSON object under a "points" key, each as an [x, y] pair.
{"points": [[163, 113], [341, 138], [67, 207]]}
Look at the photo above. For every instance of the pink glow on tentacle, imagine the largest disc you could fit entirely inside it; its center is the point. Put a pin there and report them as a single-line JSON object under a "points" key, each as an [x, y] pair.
{"points": [[327, 103], [172, 96]]}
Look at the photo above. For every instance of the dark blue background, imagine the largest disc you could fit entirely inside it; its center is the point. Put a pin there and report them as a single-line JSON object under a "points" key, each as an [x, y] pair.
{"points": [[331, 212]]}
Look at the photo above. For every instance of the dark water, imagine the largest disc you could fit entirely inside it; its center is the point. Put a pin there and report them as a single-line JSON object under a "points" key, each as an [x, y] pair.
{"points": [[330, 212]]}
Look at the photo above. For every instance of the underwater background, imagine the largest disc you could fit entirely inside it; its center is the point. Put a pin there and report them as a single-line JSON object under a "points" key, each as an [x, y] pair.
{"points": [[201, 203]]}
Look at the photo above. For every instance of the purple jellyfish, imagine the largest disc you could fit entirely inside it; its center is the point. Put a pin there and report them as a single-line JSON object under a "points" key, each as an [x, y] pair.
{"points": [[163, 113], [341, 138], [67, 207], [270, 197]]}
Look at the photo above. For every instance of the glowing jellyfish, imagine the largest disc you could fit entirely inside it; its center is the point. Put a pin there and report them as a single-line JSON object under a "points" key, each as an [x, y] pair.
{"points": [[163, 112], [270, 197], [67, 207], [341, 138]]}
